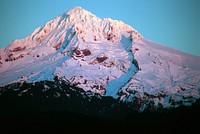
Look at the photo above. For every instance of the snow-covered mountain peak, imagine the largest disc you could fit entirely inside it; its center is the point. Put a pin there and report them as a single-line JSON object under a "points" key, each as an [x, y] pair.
{"points": [[104, 56], [76, 30], [79, 11], [75, 9], [80, 21]]}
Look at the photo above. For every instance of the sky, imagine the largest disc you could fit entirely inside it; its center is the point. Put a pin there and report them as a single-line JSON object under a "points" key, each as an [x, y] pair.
{"points": [[173, 23]]}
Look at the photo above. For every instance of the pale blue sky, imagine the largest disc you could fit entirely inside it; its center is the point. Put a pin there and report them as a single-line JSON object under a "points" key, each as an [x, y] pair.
{"points": [[173, 23]]}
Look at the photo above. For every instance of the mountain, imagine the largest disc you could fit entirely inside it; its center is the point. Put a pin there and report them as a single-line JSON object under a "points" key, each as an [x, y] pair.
{"points": [[101, 56]]}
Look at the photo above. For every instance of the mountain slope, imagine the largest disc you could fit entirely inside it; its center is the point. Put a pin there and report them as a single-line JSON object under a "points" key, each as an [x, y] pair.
{"points": [[104, 56], [167, 76]]}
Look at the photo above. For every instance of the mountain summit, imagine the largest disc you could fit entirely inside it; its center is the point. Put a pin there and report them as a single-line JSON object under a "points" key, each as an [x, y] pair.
{"points": [[103, 56]]}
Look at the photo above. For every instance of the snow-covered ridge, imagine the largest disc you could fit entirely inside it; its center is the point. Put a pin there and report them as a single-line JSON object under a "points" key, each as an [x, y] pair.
{"points": [[80, 21], [104, 56]]}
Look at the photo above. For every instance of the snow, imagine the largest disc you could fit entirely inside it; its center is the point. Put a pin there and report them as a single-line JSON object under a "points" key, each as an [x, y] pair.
{"points": [[162, 70], [115, 85], [110, 66]]}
